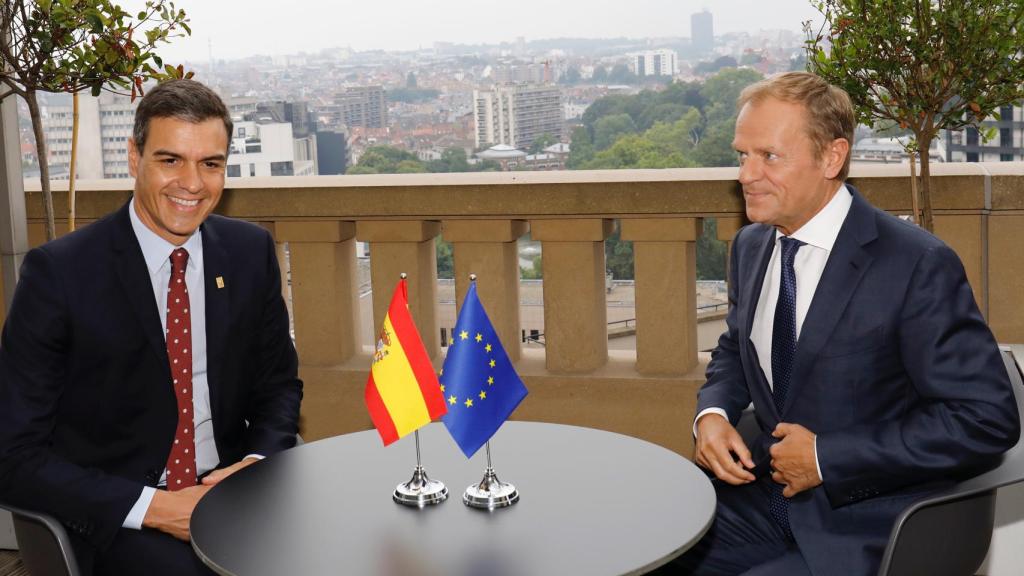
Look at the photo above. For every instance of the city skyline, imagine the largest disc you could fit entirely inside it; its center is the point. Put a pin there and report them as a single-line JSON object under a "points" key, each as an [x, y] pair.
{"points": [[232, 29]]}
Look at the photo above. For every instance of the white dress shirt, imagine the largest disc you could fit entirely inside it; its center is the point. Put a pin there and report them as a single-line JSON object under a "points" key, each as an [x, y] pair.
{"points": [[819, 236], [157, 253]]}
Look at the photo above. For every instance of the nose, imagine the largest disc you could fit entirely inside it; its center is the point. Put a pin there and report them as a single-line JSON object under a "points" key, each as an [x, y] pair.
{"points": [[750, 171], [189, 179]]}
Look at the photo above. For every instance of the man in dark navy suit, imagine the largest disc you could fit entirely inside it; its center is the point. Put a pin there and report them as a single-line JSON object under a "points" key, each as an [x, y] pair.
{"points": [[855, 335], [147, 356]]}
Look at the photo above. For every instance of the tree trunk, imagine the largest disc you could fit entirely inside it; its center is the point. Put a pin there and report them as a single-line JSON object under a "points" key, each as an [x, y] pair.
{"points": [[927, 220], [44, 165], [74, 161], [914, 203]]}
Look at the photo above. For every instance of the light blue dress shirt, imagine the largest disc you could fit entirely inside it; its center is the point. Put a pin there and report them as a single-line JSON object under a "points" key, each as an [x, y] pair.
{"points": [[157, 253]]}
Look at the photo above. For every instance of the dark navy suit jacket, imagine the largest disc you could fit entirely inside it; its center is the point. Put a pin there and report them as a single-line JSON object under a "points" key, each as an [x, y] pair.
{"points": [[895, 371], [87, 410]]}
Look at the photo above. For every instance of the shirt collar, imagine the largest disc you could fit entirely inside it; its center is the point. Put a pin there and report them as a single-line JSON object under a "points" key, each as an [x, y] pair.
{"points": [[157, 251], [822, 230]]}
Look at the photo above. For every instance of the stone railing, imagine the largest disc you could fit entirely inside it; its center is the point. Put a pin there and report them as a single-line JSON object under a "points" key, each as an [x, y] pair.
{"points": [[649, 393]]}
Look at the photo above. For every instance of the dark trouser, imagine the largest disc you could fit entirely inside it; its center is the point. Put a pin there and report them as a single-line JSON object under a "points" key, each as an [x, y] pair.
{"points": [[743, 538], [150, 553]]}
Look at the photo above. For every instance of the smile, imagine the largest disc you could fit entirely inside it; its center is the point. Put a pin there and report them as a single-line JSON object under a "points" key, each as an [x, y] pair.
{"points": [[187, 203]]}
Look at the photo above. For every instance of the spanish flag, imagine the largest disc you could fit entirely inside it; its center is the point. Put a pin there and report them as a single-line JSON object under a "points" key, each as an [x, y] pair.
{"points": [[402, 392]]}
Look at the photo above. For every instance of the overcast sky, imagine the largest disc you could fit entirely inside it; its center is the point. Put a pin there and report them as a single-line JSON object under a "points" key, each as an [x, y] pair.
{"points": [[240, 28]]}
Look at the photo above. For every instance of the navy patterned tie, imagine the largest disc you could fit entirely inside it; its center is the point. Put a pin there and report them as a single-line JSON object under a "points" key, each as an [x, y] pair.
{"points": [[783, 351]]}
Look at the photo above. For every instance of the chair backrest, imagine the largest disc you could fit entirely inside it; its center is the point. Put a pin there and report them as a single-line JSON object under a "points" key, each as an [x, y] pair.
{"points": [[44, 544], [949, 534]]}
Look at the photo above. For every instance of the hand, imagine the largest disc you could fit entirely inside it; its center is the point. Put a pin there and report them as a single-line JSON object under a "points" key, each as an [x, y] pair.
{"points": [[213, 478], [793, 460], [721, 450], [170, 512]]}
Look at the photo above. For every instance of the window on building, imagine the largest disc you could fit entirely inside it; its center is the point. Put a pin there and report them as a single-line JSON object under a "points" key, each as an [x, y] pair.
{"points": [[1005, 138], [972, 156], [1006, 157], [282, 169], [234, 171], [252, 169], [972, 138]]}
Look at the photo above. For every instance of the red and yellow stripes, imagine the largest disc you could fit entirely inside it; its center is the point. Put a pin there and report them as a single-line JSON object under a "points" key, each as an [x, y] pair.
{"points": [[402, 391]]}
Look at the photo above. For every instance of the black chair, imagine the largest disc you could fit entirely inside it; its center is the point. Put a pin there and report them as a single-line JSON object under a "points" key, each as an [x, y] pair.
{"points": [[949, 534], [43, 543]]}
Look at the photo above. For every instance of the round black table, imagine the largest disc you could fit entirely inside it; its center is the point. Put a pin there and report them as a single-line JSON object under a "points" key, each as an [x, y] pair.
{"points": [[592, 503]]}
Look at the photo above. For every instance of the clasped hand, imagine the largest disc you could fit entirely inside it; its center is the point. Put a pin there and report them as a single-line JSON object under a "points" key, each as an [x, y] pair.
{"points": [[793, 460], [171, 512], [721, 450]]}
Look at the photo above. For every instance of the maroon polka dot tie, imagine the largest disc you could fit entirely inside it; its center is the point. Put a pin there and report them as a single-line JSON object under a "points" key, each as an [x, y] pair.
{"points": [[181, 464]]}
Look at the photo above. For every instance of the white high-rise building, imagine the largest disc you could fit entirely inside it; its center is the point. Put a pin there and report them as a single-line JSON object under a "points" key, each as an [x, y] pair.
{"points": [[265, 148], [517, 114], [104, 127], [1007, 144], [655, 63]]}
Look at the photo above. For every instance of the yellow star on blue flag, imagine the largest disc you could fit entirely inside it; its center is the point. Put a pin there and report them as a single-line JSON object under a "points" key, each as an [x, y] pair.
{"points": [[470, 362]]}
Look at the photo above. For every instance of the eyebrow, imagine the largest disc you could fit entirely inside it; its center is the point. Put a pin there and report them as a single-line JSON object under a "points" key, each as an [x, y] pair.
{"points": [[170, 154]]}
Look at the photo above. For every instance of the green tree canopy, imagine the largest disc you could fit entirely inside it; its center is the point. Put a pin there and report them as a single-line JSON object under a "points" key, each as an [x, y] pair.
{"points": [[609, 128], [74, 45], [927, 65]]}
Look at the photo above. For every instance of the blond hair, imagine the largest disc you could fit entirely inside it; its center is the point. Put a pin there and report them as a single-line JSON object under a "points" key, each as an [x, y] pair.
{"points": [[830, 113]]}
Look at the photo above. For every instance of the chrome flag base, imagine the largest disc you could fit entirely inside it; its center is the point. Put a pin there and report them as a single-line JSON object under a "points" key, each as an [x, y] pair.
{"points": [[420, 490], [490, 493]]}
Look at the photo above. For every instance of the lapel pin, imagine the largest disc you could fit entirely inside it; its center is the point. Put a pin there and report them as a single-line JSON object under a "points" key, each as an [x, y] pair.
{"points": [[220, 282]]}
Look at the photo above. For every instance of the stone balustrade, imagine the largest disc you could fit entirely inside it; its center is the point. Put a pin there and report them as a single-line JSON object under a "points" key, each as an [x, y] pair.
{"points": [[574, 379]]}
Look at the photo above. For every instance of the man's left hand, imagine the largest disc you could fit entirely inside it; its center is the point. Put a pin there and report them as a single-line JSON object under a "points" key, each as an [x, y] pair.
{"points": [[216, 476], [793, 460]]}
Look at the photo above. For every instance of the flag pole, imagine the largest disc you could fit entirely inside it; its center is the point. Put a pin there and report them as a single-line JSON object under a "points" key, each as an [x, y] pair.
{"points": [[420, 490], [489, 493]]}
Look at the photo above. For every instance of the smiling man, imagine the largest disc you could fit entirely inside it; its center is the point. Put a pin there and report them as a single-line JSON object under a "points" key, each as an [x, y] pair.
{"points": [[147, 356], [855, 335]]}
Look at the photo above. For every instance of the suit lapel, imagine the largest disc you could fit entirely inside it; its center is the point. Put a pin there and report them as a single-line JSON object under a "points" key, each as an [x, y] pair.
{"points": [[134, 277], [761, 249], [218, 307], [846, 266]]}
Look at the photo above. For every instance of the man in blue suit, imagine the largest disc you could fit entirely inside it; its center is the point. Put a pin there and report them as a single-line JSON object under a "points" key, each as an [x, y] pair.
{"points": [[856, 336], [147, 356]]}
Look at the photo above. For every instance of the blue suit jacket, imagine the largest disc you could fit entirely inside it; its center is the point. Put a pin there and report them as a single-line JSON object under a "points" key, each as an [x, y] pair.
{"points": [[87, 410], [895, 371]]}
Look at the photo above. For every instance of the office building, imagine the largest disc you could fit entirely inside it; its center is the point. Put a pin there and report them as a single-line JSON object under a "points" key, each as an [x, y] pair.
{"points": [[517, 114], [332, 152], [702, 32], [364, 106], [104, 127], [966, 145], [655, 63], [261, 146]]}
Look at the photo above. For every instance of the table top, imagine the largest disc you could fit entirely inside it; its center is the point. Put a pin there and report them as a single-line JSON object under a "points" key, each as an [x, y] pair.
{"points": [[591, 503]]}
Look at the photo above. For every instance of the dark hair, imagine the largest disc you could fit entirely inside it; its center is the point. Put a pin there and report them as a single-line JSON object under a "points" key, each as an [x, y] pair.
{"points": [[183, 99]]}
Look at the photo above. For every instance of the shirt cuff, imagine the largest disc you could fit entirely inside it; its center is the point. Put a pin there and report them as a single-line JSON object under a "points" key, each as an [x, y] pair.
{"points": [[256, 456], [704, 413], [817, 463], [138, 512]]}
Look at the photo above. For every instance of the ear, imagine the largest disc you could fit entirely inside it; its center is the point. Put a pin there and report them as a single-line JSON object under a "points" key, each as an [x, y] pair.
{"points": [[835, 156], [133, 159]]}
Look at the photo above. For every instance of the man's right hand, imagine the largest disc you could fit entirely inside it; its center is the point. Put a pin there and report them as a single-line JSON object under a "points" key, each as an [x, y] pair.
{"points": [[170, 512], [721, 450]]}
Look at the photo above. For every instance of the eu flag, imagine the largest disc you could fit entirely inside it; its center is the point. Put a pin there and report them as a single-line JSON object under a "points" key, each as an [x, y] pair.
{"points": [[478, 381]]}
